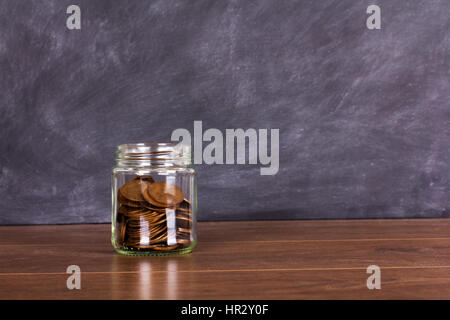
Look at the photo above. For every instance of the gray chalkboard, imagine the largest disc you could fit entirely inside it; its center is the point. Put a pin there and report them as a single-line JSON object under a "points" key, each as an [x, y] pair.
{"points": [[364, 115]]}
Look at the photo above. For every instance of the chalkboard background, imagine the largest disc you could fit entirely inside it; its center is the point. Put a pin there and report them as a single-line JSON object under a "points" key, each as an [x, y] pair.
{"points": [[364, 115]]}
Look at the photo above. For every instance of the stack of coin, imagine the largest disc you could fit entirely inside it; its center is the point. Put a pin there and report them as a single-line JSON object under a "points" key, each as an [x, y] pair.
{"points": [[142, 215]]}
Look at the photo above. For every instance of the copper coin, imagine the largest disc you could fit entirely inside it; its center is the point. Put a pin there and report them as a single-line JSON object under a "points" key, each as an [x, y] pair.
{"points": [[164, 248], [183, 218], [157, 205], [158, 247], [153, 207], [130, 211], [146, 177], [184, 230], [153, 204], [124, 209], [165, 193], [181, 209], [184, 223], [184, 241], [127, 202], [132, 190], [122, 229]]}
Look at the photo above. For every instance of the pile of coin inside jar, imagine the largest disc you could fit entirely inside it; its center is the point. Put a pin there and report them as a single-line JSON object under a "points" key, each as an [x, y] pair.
{"points": [[142, 215]]}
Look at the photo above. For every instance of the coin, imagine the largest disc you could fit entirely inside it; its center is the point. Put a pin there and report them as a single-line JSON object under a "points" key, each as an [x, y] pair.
{"points": [[132, 190], [127, 202], [151, 206], [164, 193], [158, 247], [164, 248], [184, 230], [183, 221], [147, 178], [125, 210], [122, 229], [153, 202]]}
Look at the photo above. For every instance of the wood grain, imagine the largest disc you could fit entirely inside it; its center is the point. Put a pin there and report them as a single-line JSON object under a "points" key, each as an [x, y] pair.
{"points": [[235, 260]]}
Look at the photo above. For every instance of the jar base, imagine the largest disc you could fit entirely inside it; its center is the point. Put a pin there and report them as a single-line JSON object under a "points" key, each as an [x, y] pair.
{"points": [[147, 252]]}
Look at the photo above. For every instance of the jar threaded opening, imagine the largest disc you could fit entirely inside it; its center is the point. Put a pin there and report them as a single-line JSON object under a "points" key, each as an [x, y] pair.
{"points": [[167, 153]]}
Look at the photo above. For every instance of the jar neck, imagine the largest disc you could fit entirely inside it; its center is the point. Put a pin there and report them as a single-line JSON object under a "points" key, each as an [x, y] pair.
{"points": [[153, 155]]}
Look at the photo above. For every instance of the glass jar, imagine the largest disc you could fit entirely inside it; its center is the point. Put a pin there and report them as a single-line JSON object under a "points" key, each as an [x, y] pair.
{"points": [[154, 201]]}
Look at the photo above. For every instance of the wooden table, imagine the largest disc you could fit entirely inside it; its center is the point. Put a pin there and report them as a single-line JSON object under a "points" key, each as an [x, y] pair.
{"points": [[235, 260]]}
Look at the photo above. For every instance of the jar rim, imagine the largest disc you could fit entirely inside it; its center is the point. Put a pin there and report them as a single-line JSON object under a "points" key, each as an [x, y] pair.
{"points": [[149, 144], [154, 151]]}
